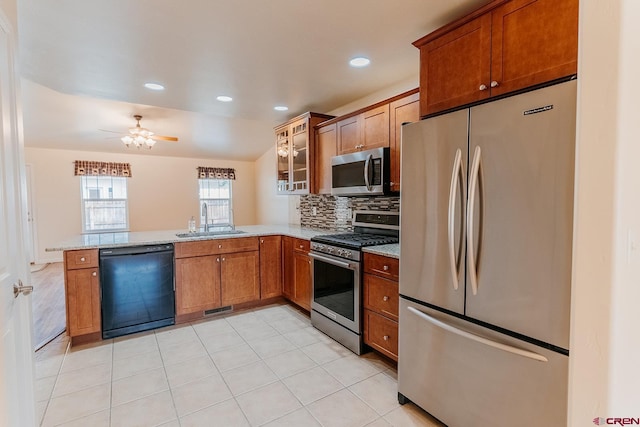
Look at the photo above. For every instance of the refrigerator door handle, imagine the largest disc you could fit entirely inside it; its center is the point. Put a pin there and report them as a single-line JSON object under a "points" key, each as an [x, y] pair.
{"points": [[367, 163], [477, 338], [455, 177], [471, 256]]}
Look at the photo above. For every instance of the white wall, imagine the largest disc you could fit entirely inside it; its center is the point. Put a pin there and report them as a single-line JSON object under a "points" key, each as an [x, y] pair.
{"points": [[605, 338], [163, 193], [271, 207]]}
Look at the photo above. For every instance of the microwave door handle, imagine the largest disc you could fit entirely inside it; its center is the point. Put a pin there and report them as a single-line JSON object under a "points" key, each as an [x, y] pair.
{"points": [[367, 164]]}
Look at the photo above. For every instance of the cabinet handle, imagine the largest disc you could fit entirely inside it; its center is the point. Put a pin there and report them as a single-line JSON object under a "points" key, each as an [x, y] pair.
{"points": [[385, 268], [83, 259], [483, 87], [386, 337], [94, 274], [494, 83], [385, 298]]}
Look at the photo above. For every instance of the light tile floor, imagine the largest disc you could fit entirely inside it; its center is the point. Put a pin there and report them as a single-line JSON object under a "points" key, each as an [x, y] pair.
{"points": [[261, 367]]}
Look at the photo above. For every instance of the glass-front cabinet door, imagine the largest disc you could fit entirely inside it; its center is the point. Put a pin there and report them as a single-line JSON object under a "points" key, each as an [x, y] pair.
{"points": [[294, 151]]}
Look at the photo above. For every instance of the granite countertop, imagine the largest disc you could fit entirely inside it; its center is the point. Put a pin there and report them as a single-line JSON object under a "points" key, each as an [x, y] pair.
{"points": [[392, 251], [136, 238]]}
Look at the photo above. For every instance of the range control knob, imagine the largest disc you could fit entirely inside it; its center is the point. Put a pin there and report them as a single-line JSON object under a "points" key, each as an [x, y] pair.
{"points": [[330, 249]]}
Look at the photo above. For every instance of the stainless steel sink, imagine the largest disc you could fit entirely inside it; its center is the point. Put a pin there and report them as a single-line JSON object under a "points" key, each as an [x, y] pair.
{"points": [[209, 233]]}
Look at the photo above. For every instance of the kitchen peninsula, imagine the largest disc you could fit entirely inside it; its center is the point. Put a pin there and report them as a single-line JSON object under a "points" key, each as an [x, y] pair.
{"points": [[213, 273]]}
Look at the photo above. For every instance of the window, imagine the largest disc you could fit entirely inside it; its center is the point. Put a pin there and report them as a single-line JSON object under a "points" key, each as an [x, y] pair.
{"points": [[216, 195], [104, 204]]}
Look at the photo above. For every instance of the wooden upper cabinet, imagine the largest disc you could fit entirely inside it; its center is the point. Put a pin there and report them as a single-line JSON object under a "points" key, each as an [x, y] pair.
{"points": [[375, 127], [326, 141], [455, 66], [240, 277], [404, 110], [83, 301], [502, 47], [533, 41], [270, 266], [295, 143], [348, 135], [364, 131], [197, 284]]}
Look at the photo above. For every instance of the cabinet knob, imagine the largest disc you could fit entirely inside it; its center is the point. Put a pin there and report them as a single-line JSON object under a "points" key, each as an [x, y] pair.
{"points": [[385, 268], [219, 246], [385, 298], [392, 183], [217, 259], [301, 246], [222, 258], [483, 87], [386, 337], [83, 259], [494, 83], [94, 274], [261, 240]]}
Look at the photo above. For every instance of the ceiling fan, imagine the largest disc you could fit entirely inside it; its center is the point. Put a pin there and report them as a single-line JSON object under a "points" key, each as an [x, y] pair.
{"points": [[141, 137]]}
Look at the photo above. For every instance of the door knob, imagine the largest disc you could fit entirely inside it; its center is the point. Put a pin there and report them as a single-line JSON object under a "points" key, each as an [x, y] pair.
{"points": [[21, 289]]}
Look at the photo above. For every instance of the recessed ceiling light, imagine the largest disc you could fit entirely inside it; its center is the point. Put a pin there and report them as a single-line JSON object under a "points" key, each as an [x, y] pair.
{"points": [[280, 108], [224, 98], [154, 86], [360, 61]]}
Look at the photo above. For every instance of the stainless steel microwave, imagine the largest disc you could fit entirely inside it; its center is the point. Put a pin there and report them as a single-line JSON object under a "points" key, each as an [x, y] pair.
{"points": [[364, 173]]}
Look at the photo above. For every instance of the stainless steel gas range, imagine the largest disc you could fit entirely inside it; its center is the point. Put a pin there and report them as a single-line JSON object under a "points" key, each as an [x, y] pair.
{"points": [[336, 275]]}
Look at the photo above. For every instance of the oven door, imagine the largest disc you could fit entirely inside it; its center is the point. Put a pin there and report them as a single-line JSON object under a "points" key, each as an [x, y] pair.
{"points": [[336, 289]]}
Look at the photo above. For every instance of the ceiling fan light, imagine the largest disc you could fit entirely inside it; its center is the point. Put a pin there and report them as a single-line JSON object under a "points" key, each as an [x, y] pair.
{"points": [[150, 142], [127, 140]]}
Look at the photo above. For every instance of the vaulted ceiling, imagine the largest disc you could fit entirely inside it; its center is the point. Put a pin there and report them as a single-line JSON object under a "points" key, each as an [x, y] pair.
{"points": [[84, 64]]}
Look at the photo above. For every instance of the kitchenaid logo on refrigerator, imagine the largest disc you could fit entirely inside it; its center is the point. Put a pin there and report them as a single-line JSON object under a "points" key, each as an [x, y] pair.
{"points": [[538, 110], [599, 421]]}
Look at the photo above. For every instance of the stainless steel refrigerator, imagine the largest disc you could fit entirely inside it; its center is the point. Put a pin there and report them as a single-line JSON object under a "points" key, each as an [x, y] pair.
{"points": [[485, 263]]}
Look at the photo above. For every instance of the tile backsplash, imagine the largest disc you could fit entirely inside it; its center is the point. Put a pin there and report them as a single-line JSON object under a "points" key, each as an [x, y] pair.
{"points": [[336, 212]]}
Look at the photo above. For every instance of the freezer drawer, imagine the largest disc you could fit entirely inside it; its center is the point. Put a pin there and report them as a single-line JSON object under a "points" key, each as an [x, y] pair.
{"points": [[467, 382]]}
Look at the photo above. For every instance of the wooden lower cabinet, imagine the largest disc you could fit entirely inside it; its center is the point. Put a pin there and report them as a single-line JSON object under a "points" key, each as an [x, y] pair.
{"points": [[270, 266], [381, 301], [197, 284], [240, 277], [302, 279], [82, 288], [381, 334], [297, 271]]}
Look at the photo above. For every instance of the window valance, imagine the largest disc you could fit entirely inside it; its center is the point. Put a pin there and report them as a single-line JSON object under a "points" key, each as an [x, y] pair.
{"points": [[91, 168], [205, 172]]}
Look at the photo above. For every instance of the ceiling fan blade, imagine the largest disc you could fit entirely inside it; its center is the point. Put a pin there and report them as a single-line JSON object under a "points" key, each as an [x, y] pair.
{"points": [[112, 131], [165, 138]]}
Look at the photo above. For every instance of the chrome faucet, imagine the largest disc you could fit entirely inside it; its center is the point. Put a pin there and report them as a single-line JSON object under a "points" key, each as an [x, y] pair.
{"points": [[205, 213]]}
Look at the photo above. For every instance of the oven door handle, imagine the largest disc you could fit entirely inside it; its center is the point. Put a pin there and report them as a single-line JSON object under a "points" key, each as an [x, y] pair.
{"points": [[328, 260]]}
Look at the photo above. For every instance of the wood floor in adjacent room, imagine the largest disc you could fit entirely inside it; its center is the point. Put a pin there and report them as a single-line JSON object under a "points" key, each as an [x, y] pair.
{"points": [[49, 316]]}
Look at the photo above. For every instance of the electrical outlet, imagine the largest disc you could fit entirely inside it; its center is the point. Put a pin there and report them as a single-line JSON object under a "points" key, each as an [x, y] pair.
{"points": [[314, 211]]}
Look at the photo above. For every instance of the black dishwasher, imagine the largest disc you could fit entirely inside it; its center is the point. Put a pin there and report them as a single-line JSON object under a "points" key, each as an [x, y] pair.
{"points": [[137, 289]]}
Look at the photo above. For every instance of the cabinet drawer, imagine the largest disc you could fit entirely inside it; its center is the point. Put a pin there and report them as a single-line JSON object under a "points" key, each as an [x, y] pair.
{"points": [[87, 258], [215, 246], [381, 295], [381, 266], [381, 334], [301, 245]]}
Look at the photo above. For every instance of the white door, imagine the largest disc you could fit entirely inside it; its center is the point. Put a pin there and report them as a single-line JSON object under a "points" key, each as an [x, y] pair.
{"points": [[16, 349]]}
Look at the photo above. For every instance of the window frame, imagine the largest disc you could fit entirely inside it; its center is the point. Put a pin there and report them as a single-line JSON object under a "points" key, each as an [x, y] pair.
{"points": [[230, 223], [83, 201]]}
